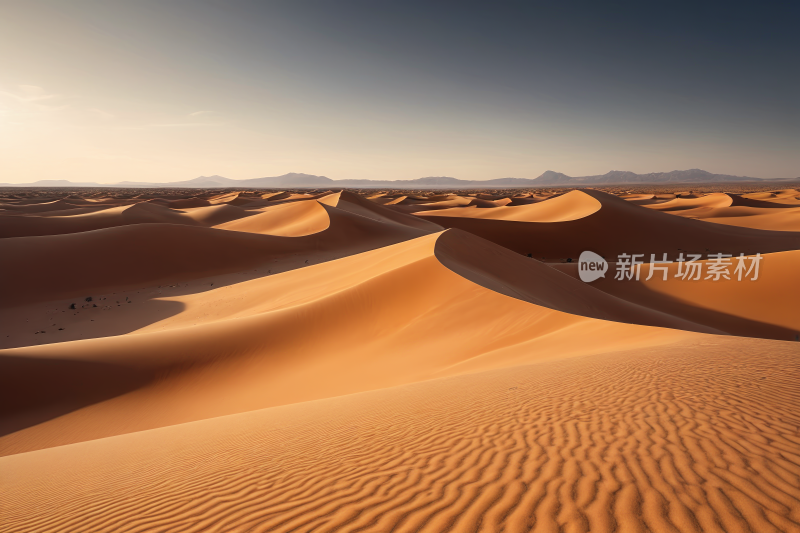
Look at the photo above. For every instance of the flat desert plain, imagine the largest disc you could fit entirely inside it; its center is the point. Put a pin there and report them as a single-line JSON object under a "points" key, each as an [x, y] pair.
{"points": [[258, 361]]}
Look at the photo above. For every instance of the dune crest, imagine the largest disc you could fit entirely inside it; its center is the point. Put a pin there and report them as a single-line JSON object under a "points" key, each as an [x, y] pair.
{"points": [[570, 206], [295, 219]]}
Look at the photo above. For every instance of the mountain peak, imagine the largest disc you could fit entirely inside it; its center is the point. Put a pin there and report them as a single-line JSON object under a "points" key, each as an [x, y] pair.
{"points": [[551, 176]]}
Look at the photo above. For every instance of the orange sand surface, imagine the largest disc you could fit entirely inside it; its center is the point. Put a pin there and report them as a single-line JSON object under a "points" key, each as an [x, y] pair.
{"points": [[257, 361], [571, 206]]}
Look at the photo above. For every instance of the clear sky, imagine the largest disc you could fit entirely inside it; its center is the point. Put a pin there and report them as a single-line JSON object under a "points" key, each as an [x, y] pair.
{"points": [[165, 91]]}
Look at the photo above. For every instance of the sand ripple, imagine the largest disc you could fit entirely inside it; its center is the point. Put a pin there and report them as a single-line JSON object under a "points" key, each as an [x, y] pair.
{"points": [[652, 440]]}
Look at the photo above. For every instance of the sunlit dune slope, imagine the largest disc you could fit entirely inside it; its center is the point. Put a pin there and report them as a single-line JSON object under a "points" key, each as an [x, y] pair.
{"points": [[710, 200], [785, 196], [570, 206], [619, 227], [459, 201], [695, 436], [294, 219], [778, 202], [637, 197], [272, 199], [216, 214], [483, 203], [384, 318], [647, 199]]}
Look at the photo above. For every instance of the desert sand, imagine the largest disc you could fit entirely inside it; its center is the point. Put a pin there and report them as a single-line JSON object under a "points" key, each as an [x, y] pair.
{"points": [[395, 361]]}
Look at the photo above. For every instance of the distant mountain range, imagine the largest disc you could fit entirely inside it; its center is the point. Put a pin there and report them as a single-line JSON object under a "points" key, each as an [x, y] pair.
{"points": [[294, 180], [694, 175]]}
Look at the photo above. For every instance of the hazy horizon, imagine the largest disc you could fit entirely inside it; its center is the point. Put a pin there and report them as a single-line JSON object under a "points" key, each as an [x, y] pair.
{"points": [[140, 91], [378, 179]]}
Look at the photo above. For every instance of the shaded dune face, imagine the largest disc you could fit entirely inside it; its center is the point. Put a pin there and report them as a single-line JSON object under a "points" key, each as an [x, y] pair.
{"points": [[505, 272], [34, 390], [332, 361]]}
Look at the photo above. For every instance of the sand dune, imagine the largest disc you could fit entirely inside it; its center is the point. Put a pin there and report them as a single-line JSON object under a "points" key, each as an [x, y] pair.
{"points": [[295, 219], [784, 201], [570, 206], [332, 361], [75, 210], [216, 214], [242, 347], [140, 213], [747, 308], [704, 213], [647, 199], [187, 203], [138, 255], [637, 197], [784, 196], [749, 217], [619, 227], [479, 202], [39, 207], [387, 200], [787, 221], [268, 200], [718, 200], [677, 204], [442, 204], [505, 272], [355, 204], [760, 211]]}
